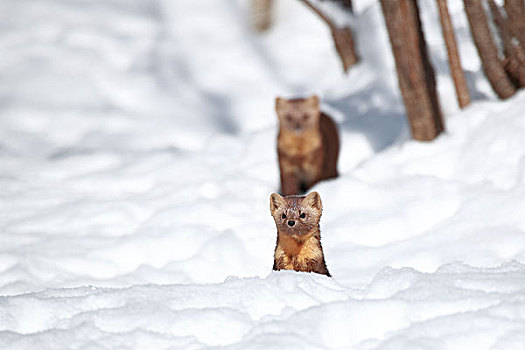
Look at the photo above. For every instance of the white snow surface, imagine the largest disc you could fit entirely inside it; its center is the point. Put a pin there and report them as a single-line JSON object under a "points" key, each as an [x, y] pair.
{"points": [[137, 156]]}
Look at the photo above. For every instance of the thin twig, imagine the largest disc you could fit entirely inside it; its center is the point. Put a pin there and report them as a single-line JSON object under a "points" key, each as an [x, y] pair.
{"points": [[328, 21]]}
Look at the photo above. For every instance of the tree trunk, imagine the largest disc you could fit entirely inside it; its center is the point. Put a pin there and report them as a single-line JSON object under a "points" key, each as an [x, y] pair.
{"points": [[262, 14], [344, 44], [488, 52], [514, 63], [515, 10], [343, 40], [454, 62], [502, 26], [414, 71]]}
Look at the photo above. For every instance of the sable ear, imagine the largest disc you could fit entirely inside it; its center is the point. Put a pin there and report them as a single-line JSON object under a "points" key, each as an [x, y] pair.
{"points": [[276, 202], [313, 100], [313, 200], [278, 103]]}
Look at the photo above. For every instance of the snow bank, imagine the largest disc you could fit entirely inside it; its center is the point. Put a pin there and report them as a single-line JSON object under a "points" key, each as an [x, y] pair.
{"points": [[456, 307], [137, 155]]}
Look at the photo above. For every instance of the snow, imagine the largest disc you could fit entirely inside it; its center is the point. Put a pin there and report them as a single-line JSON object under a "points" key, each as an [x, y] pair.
{"points": [[137, 156]]}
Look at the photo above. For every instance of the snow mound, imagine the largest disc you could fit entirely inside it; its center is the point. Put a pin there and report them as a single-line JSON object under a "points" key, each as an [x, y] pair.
{"points": [[458, 306]]}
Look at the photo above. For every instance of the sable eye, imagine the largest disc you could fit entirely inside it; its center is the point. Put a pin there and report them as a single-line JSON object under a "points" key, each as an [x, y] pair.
{"points": [[302, 215], [283, 216], [288, 117], [305, 117]]}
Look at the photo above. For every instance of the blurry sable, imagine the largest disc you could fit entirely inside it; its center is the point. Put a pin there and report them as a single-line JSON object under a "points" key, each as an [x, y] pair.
{"points": [[298, 235], [307, 144]]}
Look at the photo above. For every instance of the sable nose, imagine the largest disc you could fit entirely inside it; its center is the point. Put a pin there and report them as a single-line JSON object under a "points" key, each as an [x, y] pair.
{"points": [[291, 223]]}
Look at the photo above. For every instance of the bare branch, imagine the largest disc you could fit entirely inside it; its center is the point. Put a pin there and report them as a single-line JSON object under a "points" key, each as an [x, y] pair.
{"points": [[458, 76]]}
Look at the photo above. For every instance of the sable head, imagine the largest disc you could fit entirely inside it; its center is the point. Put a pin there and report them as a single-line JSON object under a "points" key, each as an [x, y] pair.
{"points": [[295, 215], [298, 115]]}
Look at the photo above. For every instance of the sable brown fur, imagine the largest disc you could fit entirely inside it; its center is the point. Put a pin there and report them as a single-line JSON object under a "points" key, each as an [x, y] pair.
{"points": [[307, 144], [298, 234]]}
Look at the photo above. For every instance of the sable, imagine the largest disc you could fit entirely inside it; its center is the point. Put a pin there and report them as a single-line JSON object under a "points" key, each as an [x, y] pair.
{"points": [[307, 144], [298, 234]]}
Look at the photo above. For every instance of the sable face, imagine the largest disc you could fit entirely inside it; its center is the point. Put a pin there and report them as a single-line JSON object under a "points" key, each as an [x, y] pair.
{"points": [[294, 215], [298, 115]]}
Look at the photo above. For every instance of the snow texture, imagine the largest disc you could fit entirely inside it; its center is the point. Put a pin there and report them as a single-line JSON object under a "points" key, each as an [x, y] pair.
{"points": [[137, 156]]}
